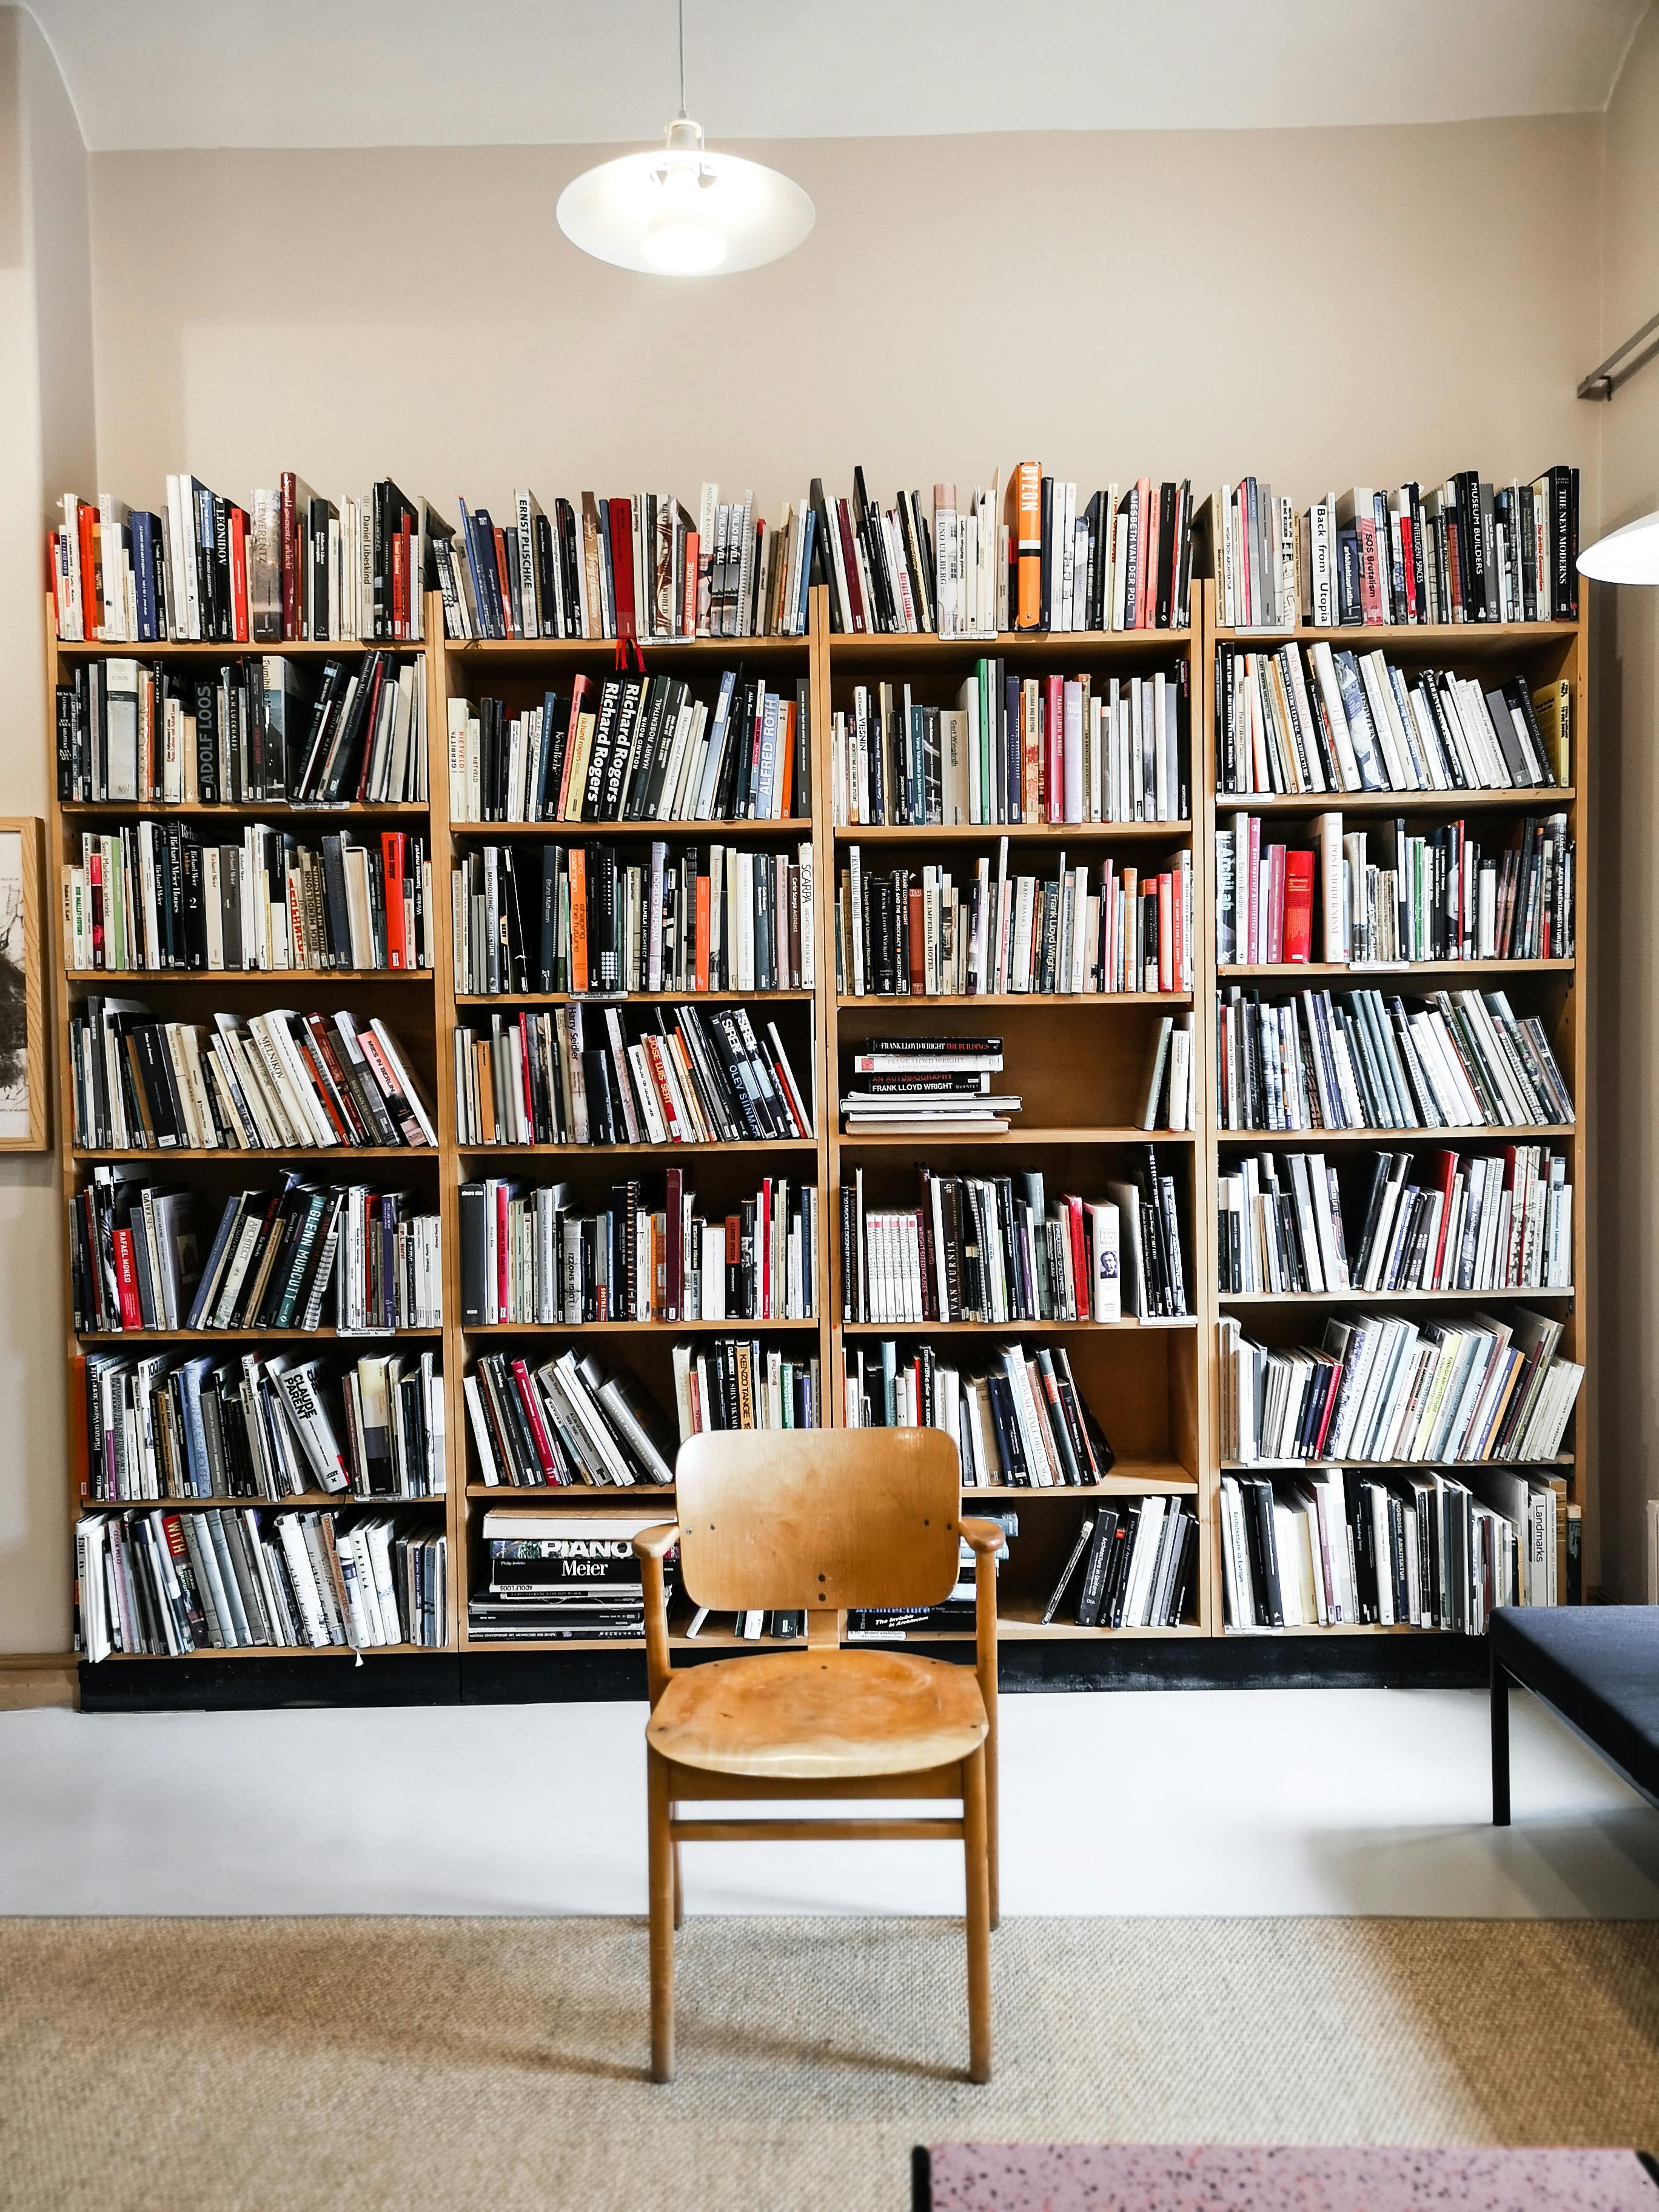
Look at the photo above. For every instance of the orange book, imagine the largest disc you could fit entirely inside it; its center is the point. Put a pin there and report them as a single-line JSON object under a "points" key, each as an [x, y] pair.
{"points": [[506, 583], [1024, 519], [578, 919], [80, 1443], [786, 739], [703, 926], [92, 597]]}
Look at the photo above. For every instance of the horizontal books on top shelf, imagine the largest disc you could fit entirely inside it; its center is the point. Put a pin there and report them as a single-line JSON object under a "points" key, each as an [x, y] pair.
{"points": [[1352, 1059], [1453, 1222], [279, 1081], [289, 565], [1435, 896], [529, 1257], [554, 1579], [273, 1261], [634, 749], [1016, 750], [269, 1428], [1317, 718], [586, 918], [1426, 1550], [1022, 1424], [995, 1249], [1380, 1387], [589, 1075], [920, 933], [1133, 1565], [247, 731], [154, 896], [1465, 551], [164, 1584]]}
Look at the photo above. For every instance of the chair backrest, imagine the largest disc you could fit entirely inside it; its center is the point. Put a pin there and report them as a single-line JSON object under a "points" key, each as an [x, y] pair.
{"points": [[782, 1518]]}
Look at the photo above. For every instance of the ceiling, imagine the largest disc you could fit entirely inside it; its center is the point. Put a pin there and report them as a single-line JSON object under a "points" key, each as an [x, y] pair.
{"points": [[312, 73]]}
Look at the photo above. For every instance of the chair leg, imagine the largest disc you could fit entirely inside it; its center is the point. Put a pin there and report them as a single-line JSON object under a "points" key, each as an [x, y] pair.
{"points": [[976, 1856], [661, 1853], [679, 1892], [992, 1823]]}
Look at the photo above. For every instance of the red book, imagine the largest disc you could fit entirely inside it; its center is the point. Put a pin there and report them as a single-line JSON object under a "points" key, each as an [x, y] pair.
{"points": [[1166, 975], [622, 565], [503, 1270], [1298, 906], [237, 533], [391, 863], [126, 1281], [703, 921], [509, 624], [1082, 1277], [850, 562], [399, 610], [1370, 572], [579, 691], [533, 1414], [1444, 1172], [92, 597], [578, 867], [917, 949], [676, 1247], [289, 531], [688, 611]]}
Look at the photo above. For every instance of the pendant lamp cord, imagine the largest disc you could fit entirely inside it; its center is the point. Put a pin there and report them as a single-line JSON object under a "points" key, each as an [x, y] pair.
{"points": [[682, 57]]}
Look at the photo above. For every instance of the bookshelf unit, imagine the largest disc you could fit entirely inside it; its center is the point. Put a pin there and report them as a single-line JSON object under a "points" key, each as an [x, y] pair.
{"points": [[1078, 1060]]}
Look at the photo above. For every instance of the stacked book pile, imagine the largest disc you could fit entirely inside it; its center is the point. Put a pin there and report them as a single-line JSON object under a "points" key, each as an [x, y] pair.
{"points": [[556, 1577], [928, 1086]]}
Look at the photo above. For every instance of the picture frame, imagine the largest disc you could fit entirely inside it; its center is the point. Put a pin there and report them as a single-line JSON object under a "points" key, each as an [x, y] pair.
{"points": [[25, 1061]]}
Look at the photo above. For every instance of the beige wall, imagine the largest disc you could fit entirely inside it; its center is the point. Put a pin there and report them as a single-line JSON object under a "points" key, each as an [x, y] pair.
{"points": [[45, 438], [1321, 306], [1627, 798]]}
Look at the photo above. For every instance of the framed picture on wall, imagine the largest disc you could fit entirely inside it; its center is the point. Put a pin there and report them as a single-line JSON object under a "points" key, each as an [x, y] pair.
{"points": [[23, 1063]]}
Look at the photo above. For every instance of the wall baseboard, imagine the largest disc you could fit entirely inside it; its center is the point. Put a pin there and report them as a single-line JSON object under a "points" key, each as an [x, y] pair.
{"points": [[38, 1678]]}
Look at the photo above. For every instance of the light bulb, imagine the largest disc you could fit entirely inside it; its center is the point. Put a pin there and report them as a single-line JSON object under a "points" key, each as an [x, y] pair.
{"points": [[681, 245]]}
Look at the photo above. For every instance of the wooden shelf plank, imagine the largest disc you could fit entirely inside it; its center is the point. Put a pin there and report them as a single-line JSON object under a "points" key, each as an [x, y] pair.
{"points": [[1022, 833], [1378, 1297], [1008, 1327], [161, 1154], [1097, 1133], [1395, 1140], [1481, 638], [368, 1338], [794, 1146], [1526, 799], [1069, 999], [1391, 971], [631, 1327], [600, 1000], [712, 832], [237, 810], [145, 979], [306, 1501], [267, 1651], [291, 648]]}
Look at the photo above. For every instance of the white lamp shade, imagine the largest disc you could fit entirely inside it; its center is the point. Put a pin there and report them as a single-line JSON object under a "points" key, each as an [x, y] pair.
{"points": [[695, 213], [1630, 555]]}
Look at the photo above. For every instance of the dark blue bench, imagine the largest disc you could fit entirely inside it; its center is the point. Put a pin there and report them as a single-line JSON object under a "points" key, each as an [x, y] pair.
{"points": [[1597, 1665]]}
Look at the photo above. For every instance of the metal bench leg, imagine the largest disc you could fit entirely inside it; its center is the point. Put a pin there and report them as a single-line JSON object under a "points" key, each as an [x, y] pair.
{"points": [[1500, 1743]]}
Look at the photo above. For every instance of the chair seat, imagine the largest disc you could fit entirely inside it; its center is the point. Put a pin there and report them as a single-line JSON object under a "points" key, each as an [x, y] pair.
{"points": [[821, 1713]]}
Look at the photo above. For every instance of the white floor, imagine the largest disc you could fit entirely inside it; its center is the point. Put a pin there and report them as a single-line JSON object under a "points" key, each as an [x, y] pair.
{"points": [[1206, 1802]]}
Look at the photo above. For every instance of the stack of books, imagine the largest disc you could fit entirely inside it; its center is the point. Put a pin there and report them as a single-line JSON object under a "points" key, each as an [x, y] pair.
{"points": [[273, 1427], [1380, 1387], [595, 919], [927, 1086], [288, 566], [566, 1422], [551, 1579], [279, 1081], [233, 1579], [1023, 1424], [1336, 1547], [530, 1256]]}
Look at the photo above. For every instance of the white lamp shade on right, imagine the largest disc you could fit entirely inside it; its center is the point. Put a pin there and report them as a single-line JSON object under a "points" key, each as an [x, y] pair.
{"points": [[1630, 555]]}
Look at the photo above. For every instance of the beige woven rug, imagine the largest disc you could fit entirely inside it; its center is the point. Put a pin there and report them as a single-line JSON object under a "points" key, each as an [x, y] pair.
{"points": [[431, 2065]]}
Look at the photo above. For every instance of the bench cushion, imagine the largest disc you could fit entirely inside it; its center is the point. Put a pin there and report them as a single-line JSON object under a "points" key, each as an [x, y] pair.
{"points": [[1598, 1665]]}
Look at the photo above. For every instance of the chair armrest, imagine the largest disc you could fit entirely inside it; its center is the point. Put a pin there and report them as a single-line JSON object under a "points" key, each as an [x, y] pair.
{"points": [[651, 1547], [983, 1535]]}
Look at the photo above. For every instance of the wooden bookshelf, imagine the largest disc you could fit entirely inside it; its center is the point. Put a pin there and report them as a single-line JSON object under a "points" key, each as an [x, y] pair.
{"points": [[1077, 1061]]}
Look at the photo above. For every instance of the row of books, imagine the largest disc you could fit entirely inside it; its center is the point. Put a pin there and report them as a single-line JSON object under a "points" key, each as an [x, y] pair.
{"points": [[274, 1258], [166, 1584], [1467, 550], [588, 918], [1381, 1386], [1450, 1222], [554, 1579], [996, 1249], [902, 933], [529, 1256], [1434, 896], [1016, 750], [280, 1081], [288, 566], [130, 731], [598, 1075], [1352, 1059], [1116, 560], [273, 1427], [634, 749], [151, 895], [1318, 718], [565, 1422], [887, 571], [1419, 1551], [1133, 1565], [1022, 1424]]}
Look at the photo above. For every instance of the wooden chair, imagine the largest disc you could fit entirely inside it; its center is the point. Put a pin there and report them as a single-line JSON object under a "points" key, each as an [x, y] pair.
{"points": [[820, 1520]]}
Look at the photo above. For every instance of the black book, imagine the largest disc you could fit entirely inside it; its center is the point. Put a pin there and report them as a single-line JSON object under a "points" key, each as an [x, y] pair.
{"points": [[1108, 1530]]}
